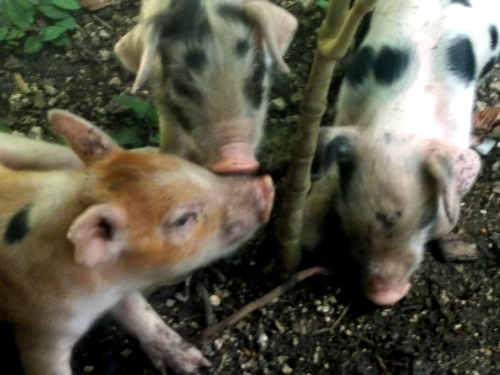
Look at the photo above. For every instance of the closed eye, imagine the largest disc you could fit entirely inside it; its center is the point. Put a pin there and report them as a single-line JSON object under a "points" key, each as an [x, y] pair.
{"points": [[184, 219]]}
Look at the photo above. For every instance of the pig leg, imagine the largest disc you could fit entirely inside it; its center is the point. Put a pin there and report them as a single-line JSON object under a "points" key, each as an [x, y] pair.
{"points": [[158, 341], [44, 354], [17, 152]]}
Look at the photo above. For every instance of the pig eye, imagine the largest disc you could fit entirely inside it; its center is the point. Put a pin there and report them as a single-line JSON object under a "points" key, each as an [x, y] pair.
{"points": [[184, 219]]}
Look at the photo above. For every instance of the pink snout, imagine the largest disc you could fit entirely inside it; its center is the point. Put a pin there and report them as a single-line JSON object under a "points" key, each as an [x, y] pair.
{"points": [[234, 157], [385, 292]]}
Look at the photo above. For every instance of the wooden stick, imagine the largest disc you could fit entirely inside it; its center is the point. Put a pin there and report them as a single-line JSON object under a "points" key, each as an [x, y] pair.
{"points": [[336, 33], [262, 301]]}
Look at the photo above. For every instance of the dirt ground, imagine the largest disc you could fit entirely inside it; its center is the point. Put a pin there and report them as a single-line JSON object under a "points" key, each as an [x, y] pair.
{"points": [[448, 323]]}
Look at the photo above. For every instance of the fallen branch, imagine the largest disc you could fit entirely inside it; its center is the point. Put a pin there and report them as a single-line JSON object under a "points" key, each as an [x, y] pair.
{"points": [[262, 301]]}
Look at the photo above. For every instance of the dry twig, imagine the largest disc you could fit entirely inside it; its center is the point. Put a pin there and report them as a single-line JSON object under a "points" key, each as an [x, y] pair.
{"points": [[262, 301]]}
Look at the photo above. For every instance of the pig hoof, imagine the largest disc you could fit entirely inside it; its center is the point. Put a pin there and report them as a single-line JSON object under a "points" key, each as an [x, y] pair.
{"points": [[183, 359], [453, 249]]}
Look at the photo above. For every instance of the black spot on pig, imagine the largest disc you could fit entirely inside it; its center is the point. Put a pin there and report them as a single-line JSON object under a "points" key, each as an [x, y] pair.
{"points": [[185, 89], [494, 37], [363, 29], [233, 13], [461, 60], [242, 47], [184, 121], [254, 88], [465, 3], [196, 60], [391, 63], [360, 66], [487, 67], [18, 227], [173, 24]]}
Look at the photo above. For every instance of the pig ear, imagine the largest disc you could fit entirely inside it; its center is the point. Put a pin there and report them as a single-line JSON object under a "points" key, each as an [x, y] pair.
{"points": [[136, 51], [86, 140], [277, 26], [335, 144], [454, 171], [99, 234]]}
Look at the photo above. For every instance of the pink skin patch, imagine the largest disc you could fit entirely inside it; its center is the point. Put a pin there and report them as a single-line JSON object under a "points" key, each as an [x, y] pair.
{"points": [[266, 204], [385, 292], [234, 157]]}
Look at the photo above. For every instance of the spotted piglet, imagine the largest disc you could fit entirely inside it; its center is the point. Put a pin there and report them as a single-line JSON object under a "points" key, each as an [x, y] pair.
{"points": [[209, 63], [397, 162], [79, 243]]}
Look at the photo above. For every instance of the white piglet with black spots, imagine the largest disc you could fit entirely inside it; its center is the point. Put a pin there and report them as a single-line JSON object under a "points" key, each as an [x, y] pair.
{"points": [[209, 65], [397, 162]]}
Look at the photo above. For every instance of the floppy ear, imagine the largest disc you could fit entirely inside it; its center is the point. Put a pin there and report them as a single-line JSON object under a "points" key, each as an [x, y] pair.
{"points": [[335, 144], [87, 141], [276, 25], [99, 234], [454, 170], [136, 51]]}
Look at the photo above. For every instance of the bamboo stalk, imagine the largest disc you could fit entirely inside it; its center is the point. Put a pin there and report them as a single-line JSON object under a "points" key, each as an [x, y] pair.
{"points": [[336, 33]]}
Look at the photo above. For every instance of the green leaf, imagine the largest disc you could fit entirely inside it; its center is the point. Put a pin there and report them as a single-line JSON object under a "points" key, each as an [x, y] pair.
{"points": [[139, 106], [66, 4], [51, 11], [62, 41], [4, 128], [14, 34], [20, 13], [4, 31], [130, 136], [32, 45], [51, 33], [67, 23]]}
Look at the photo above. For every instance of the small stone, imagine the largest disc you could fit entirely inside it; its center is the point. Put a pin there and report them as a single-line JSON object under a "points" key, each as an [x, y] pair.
{"points": [[35, 132], [126, 352], [278, 103], [455, 250], [105, 54], [115, 81], [88, 369], [51, 90], [263, 341], [214, 300], [38, 100], [170, 302], [286, 369], [104, 34]]}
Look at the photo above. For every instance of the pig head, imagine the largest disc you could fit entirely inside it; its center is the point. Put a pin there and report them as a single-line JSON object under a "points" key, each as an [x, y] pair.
{"points": [[400, 148], [78, 243], [392, 198], [209, 64]]}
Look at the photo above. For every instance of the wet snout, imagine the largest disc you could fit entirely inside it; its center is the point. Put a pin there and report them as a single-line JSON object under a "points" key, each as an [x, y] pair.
{"points": [[236, 157], [385, 292]]}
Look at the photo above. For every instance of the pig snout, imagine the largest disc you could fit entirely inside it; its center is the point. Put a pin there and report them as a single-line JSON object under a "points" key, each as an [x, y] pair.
{"points": [[385, 292], [236, 157]]}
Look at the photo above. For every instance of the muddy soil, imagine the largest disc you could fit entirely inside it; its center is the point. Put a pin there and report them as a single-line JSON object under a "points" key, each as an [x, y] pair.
{"points": [[448, 323]]}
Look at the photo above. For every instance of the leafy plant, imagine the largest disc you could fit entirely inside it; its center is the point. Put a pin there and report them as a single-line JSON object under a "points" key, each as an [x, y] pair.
{"points": [[322, 3], [4, 128], [145, 133], [35, 22]]}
